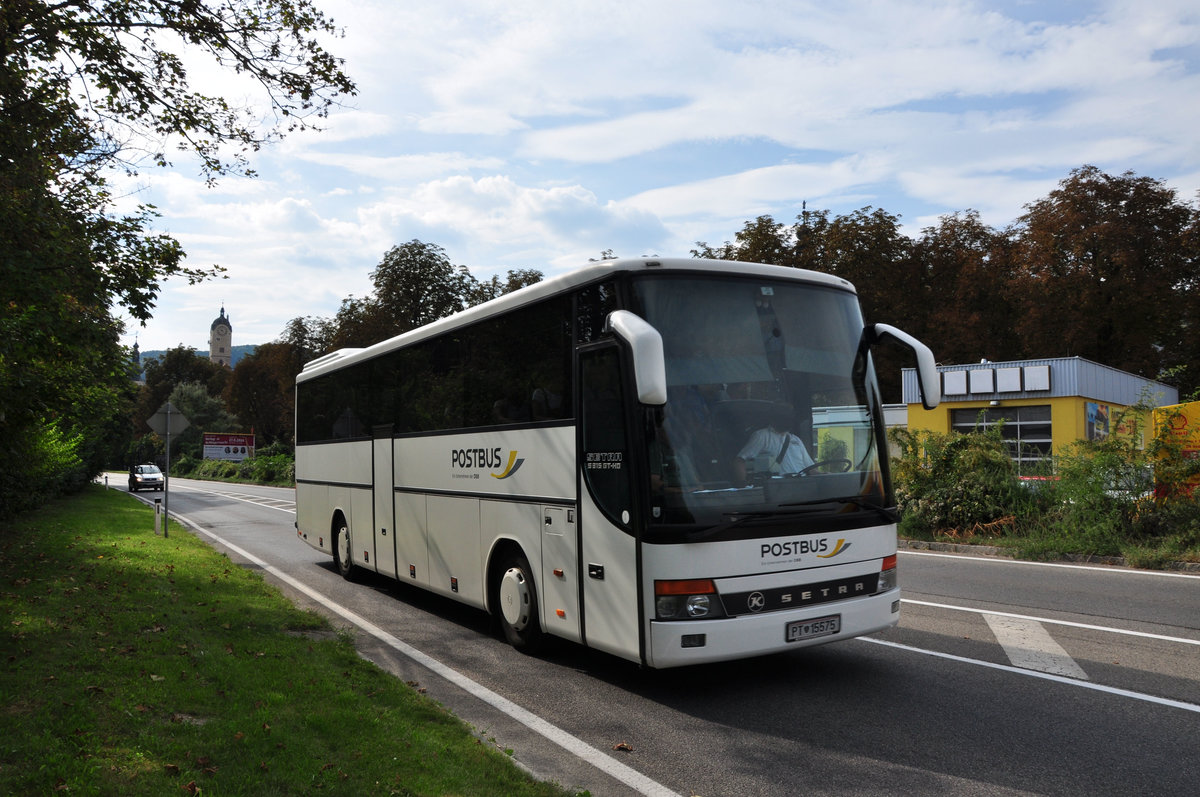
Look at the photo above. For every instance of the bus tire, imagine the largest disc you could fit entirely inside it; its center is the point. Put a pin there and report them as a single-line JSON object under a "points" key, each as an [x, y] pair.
{"points": [[342, 557], [517, 604]]}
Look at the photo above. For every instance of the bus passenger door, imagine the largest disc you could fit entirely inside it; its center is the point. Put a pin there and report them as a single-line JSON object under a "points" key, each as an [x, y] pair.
{"points": [[608, 549], [560, 572], [383, 469]]}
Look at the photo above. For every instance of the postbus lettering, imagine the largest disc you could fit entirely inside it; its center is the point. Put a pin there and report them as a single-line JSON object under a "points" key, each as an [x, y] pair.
{"points": [[793, 548], [476, 458]]}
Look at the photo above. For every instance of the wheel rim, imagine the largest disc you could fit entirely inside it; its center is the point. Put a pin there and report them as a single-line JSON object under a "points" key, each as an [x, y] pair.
{"points": [[343, 547], [514, 599]]}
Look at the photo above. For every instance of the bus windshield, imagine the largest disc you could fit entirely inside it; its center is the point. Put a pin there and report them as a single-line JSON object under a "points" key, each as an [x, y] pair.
{"points": [[772, 410]]}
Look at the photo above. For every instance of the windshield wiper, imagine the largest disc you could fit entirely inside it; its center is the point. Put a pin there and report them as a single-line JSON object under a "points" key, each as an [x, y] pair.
{"points": [[738, 518], [889, 513], [734, 519]]}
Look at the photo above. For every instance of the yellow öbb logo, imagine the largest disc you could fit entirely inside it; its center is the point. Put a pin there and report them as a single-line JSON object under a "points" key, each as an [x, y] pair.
{"points": [[842, 545], [512, 467]]}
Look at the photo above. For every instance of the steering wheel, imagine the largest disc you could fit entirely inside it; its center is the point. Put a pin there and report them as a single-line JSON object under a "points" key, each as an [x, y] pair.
{"points": [[841, 461]]}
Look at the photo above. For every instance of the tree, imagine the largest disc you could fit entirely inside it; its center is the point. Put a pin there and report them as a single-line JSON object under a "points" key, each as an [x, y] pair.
{"points": [[415, 284], [261, 392], [107, 72], [762, 240], [176, 367], [1107, 269], [205, 413], [309, 337], [89, 87], [516, 279], [967, 294]]}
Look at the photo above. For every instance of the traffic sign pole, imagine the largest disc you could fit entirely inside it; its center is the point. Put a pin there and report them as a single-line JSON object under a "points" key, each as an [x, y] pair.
{"points": [[162, 422]]}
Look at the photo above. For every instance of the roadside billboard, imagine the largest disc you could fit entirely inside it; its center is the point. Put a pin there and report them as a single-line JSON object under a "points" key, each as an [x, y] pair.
{"points": [[1179, 426], [230, 447]]}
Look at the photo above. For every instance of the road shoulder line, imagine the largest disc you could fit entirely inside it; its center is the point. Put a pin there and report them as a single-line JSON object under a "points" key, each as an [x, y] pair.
{"points": [[581, 749]]}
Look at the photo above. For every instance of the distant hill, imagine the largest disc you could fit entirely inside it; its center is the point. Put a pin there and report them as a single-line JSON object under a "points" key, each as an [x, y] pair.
{"points": [[238, 353]]}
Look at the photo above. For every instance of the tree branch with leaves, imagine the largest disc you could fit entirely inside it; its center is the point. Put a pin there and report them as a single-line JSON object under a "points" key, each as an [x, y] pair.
{"points": [[89, 89]]}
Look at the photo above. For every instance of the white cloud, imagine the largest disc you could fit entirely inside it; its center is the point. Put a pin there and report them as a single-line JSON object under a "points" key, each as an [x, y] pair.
{"points": [[402, 167], [521, 133], [758, 191]]}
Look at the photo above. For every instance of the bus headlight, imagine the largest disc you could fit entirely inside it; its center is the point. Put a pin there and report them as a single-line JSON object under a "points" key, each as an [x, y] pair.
{"points": [[692, 599]]}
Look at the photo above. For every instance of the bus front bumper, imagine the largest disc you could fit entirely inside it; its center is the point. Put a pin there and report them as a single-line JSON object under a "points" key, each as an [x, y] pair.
{"points": [[679, 643]]}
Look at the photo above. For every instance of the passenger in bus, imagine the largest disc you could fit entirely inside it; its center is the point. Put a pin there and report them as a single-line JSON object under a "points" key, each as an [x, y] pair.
{"points": [[547, 404], [773, 449], [507, 411]]}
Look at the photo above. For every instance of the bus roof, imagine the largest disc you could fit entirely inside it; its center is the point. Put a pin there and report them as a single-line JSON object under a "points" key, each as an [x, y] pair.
{"points": [[592, 272]]}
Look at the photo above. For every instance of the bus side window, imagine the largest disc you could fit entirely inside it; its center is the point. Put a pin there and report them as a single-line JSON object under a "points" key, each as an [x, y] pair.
{"points": [[605, 451]]}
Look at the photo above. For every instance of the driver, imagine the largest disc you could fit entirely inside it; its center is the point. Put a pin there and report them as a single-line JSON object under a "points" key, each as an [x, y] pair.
{"points": [[784, 451]]}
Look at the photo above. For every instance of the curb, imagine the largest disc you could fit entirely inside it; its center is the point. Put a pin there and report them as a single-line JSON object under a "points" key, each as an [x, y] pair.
{"points": [[1006, 553]]}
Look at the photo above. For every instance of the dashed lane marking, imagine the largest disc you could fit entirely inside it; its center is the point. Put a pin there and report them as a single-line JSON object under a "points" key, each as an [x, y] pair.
{"points": [[1029, 646]]}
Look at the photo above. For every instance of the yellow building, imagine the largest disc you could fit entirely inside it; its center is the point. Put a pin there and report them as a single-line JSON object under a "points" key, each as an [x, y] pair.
{"points": [[1043, 404]]}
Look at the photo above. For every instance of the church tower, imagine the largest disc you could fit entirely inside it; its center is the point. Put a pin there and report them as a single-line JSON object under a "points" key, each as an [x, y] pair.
{"points": [[220, 341]]}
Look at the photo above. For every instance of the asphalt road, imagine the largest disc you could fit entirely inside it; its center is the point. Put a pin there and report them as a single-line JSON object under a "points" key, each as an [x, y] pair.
{"points": [[1002, 678]]}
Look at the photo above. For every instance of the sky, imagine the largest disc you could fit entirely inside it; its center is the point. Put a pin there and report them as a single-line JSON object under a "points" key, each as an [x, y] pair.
{"points": [[523, 134]]}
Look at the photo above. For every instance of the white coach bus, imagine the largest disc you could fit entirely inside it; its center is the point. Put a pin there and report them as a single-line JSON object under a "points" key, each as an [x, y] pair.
{"points": [[600, 457]]}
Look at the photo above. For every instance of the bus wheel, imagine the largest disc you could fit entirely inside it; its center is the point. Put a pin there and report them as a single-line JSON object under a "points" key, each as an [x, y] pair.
{"points": [[341, 552], [518, 604]]}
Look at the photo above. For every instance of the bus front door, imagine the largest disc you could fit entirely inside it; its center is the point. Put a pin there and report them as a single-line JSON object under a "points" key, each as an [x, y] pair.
{"points": [[608, 548]]}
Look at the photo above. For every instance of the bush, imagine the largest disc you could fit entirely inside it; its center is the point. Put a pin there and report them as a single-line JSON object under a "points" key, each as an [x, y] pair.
{"points": [[269, 469], [277, 468], [1100, 497], [957, 485], [41, 466], [277, 448], [185, 466]]}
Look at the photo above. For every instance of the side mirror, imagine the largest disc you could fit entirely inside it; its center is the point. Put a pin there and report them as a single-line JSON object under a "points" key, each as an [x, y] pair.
{"points": [[646, 348], [927, 372]]}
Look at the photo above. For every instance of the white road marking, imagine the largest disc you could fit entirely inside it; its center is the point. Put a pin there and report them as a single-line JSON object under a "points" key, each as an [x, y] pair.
{"points": [[1100, 568], [1112, 690], [1028, 646], [246, 498], [1048, 621], [602, 761]]}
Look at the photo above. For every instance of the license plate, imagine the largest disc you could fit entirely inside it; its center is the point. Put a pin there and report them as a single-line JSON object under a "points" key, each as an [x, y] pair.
{"points": [[808, 629]]}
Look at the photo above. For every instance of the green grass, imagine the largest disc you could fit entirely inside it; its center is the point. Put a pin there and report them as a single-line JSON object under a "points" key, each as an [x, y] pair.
{"points": [[135, 664]]}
